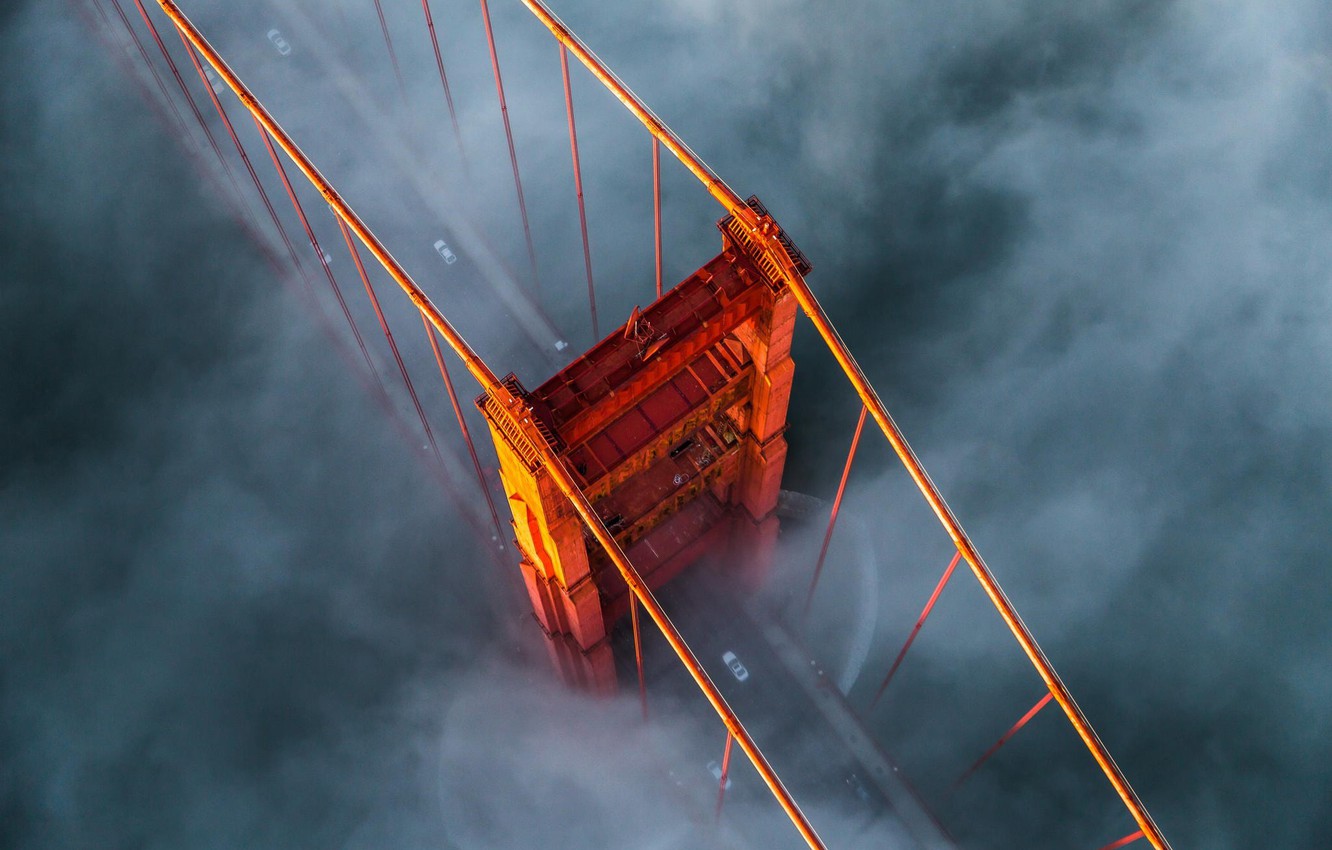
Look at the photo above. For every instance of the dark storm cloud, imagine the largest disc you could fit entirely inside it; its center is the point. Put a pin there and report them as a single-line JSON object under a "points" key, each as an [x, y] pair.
{"points": [[1082, 251]]}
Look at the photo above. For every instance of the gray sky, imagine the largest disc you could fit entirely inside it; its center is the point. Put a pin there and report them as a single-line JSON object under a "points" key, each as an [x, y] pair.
{"points": [[1081, 253]]}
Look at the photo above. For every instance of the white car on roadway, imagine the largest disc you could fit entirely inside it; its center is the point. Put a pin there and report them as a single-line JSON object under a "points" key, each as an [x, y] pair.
{"points": [[442, 248], [737, 669], [283, 46]]}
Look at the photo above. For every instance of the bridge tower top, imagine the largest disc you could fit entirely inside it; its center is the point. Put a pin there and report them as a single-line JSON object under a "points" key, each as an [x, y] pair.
{"points": [[673, 428]]}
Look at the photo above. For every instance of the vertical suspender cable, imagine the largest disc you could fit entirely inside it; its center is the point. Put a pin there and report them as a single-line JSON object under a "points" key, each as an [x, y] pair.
{"points": [[247, 219], [513, 154], [656, 205], [180, 122], [578, 187], [462, 426], [393, 345], [393, 55], [245, 216], [249, 166], [638, 655], [1123, 842], [1026, 718], [189, 98], [725, 772], [836, 506], [444, 80], [323, 260], [920, 621], [450, 490]]}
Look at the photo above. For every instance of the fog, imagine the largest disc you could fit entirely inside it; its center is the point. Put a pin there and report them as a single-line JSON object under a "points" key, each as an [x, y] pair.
{"points": [[1081, 253]]}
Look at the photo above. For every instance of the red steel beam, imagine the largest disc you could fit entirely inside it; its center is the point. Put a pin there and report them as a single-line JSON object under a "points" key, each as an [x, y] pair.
{"points": [[765, 234], [519, 417]]}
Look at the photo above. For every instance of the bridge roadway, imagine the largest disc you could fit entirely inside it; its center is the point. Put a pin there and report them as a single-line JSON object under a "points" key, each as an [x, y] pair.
{"points": [[852, 791], [361, 139]]}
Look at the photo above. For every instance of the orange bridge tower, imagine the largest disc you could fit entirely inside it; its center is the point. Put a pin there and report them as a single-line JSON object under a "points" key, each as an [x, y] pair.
{"points": [[674, 428]]}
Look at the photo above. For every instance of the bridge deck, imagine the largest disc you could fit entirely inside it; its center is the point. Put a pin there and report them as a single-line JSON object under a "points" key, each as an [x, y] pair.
{"points": [[805, 727]]}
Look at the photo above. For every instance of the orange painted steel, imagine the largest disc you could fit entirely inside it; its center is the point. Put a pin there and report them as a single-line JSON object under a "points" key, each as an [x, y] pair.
{"points": [[519, 417], [920, 621], [714, 184], [836, 507], [578, 188], [765, 233]]}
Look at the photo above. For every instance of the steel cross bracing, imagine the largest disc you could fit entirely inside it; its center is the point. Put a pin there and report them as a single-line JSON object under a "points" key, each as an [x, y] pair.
{"points": [[752, 226]]}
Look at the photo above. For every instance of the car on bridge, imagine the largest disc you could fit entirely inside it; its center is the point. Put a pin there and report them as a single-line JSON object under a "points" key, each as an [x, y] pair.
{"points": [[283, 46], [738, 670], [442, 248]]}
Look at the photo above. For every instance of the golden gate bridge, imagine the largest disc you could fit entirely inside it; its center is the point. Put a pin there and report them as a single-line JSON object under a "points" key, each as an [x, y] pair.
{"points": [[661, 445]]}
